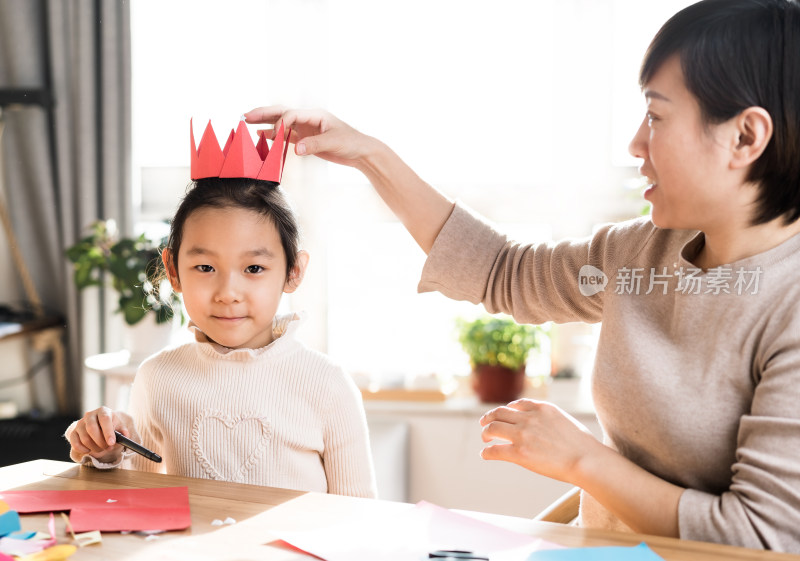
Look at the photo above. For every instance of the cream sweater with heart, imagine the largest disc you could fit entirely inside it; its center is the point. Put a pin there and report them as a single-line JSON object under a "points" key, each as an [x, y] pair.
{"points": [[280, 416]]}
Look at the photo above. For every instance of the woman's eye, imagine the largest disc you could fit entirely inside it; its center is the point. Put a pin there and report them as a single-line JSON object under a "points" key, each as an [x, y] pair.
{"points": [[651, 118], [254, 269], [204, 268]]}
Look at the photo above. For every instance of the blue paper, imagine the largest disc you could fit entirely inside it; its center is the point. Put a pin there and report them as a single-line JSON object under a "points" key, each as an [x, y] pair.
{"points": [[9, 522], [21, 535], [613, 553]]}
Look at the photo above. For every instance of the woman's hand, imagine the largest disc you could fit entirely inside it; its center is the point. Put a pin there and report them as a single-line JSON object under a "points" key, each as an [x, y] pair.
{"points": [[544, 439], [540, 437], [317, 132], [422, 209], [94, 434]]}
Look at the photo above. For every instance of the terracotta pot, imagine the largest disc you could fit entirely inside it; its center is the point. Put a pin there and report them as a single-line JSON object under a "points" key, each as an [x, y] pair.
{"points": [[497, 384]]}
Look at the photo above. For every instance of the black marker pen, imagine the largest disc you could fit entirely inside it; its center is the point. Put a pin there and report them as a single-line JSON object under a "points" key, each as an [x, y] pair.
{"points": [[138, 448]]}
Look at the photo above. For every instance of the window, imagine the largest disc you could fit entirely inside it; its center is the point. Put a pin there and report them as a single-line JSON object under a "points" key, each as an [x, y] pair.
{"points": [[514, 107]]}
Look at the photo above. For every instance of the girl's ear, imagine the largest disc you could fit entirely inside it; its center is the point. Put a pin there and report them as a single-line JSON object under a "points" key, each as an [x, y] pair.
{"points": [[297, 273], [172, 273], [754, 128]]}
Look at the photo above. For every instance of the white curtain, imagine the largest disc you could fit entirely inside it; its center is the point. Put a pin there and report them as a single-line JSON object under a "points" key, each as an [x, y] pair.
{"points": [[66, 165]]}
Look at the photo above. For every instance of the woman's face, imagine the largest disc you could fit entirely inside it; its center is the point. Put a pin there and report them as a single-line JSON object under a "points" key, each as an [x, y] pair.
{"points": [[685, 161]]}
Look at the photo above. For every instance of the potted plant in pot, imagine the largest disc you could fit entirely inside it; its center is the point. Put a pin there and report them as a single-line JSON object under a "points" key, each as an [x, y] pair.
{"points": [[498, 350], [131, 265]]}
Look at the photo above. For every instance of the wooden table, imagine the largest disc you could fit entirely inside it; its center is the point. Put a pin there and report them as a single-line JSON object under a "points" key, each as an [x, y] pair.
{"points": [[259, 511]]}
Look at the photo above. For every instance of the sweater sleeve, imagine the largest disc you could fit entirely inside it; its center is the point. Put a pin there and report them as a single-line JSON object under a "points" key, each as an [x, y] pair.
{"points": [[346, 457], [761, 508], [87, 459], [534, 283]]}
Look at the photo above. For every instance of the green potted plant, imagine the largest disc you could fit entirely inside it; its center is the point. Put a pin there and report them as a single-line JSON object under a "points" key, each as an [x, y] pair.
{"points": [[498, 350], [131, 264]]}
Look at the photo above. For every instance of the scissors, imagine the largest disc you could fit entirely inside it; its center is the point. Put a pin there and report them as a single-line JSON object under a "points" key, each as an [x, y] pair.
{"points": [[456, 554]]}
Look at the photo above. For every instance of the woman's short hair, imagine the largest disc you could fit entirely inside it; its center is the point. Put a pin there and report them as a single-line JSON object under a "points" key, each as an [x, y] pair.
{"points": [[263, 197], [737, 54]]}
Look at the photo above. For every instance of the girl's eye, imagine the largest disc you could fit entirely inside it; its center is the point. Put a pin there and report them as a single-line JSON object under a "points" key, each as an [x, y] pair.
{"points": [[204, 268], [254, 269], [651, 118]]}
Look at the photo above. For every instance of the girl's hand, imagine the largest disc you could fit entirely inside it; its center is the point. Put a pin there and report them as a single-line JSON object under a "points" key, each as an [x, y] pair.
{"points": [[94, 434], [317, 132], [540, 437]]}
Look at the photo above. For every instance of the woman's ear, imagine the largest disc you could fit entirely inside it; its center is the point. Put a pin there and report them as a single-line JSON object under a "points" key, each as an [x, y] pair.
{"points": [[172, 273], [297, 273], [754, 127]]}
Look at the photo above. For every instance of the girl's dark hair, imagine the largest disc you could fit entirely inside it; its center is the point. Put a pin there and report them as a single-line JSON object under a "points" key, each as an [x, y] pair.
{"points": [[263, 197], [737, 54]]}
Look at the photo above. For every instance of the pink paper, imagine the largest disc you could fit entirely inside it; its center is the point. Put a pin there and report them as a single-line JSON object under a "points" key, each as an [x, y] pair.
{"points": [[164, 508], [412, 535]]}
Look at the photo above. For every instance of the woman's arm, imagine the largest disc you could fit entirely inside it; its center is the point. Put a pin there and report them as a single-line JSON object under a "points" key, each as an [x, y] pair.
{"points": [[544, 439], [421, 208]]}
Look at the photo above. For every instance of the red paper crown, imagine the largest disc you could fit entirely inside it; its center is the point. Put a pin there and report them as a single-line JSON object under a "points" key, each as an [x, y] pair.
{"points": [[239, 158]]}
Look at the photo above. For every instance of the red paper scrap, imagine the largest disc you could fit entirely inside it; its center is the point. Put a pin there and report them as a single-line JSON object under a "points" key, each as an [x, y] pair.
{"points": [[164, 508]]}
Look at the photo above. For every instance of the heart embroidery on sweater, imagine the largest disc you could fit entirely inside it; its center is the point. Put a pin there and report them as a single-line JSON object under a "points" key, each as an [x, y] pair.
{"points": [[245, 431]]}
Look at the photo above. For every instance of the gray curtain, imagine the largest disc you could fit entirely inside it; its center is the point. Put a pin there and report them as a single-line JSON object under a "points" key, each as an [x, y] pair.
{"points": [[69, 167]]}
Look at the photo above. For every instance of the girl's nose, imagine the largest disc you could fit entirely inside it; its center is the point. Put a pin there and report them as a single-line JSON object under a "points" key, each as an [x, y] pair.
{"points": [[638, 146], [228, 290]]}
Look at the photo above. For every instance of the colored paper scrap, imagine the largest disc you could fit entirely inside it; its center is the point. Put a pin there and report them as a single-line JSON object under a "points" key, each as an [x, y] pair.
{"points": [[412, 534], [88, 538], [4, 507], [84, 539], [9, 522], [26, 547], [21, 535], [55, 553], [165, 508], [19, 548], [611, 553]]}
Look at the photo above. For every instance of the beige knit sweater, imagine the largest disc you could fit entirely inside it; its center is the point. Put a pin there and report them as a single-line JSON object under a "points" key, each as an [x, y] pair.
{"points": [[281, 416], [697, 374]]}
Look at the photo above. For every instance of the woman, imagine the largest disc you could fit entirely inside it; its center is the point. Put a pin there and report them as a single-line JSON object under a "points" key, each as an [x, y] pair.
{"points": [[697, 375]]}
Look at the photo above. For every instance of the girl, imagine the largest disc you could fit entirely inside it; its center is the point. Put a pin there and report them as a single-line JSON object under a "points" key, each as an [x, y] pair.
{"points": [[697, 375], [246, 402]]}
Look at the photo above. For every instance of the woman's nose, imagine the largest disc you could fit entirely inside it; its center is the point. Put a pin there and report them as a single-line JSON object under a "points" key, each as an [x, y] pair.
{"points": [[638, 146]]}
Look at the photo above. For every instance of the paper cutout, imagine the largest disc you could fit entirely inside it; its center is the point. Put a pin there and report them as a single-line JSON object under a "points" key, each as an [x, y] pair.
{"points": [[240, 157], [636, 553], [411, 535], [21, 547], [21, 535], [88, 538], [9, 522], [10, 546], [164, 508], [4, 557], [84, 539], [55, 553], [4, 507]]}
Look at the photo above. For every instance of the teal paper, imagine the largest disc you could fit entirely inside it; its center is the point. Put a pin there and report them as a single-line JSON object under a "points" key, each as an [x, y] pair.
{"points": [[637, 553], [21, 535], [9, 522]]}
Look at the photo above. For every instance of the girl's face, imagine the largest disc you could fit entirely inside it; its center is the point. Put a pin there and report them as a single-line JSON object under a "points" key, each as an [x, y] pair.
{"points": [[686, 161], [232, 272]]}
